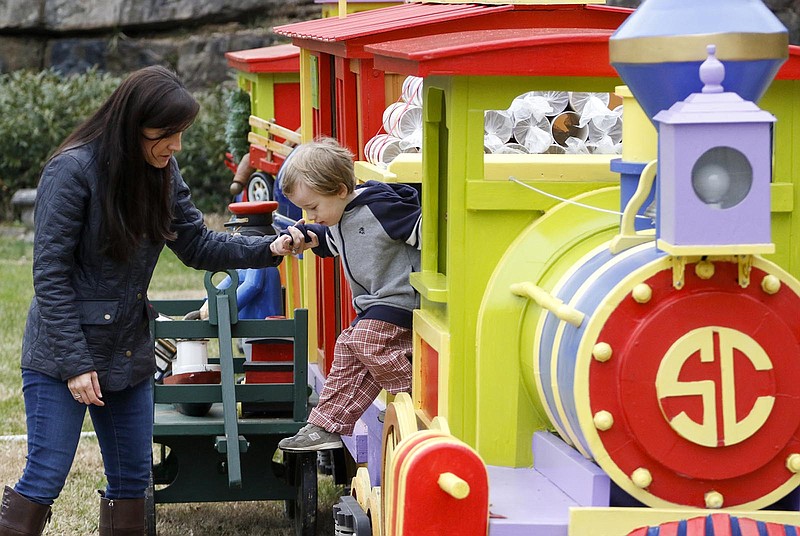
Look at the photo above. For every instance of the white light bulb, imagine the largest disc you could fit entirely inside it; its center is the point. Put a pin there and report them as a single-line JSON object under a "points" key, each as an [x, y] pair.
{"points": [[711, 183]]}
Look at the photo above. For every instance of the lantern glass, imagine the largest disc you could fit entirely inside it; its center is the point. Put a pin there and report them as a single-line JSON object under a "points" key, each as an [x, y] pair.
{"points": [[722, 177]]}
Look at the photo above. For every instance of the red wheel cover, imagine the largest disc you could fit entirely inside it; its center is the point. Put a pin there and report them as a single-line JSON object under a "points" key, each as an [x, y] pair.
{"points": [[704, 387]]}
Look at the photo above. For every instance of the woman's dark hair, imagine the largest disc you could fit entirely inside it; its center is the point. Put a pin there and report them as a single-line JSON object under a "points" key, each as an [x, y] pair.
{"points": [[136, 195]]}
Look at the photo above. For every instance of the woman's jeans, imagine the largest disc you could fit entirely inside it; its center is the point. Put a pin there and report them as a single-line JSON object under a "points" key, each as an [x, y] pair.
{"points": [[124, 428]]}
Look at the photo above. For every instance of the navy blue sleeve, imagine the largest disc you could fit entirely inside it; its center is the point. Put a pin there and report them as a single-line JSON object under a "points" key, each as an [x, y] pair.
{"points": [[323, 250]]}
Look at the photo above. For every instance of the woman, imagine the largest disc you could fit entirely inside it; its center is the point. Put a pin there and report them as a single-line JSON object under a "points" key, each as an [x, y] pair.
{"points": [[107, 202]]}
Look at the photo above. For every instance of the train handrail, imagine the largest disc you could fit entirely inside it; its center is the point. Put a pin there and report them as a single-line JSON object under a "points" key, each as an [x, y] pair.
{"points": [[547, 301]]}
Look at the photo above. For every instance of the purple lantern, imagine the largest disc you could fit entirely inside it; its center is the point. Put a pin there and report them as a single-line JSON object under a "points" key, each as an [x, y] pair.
{"points": [[715, 167]]}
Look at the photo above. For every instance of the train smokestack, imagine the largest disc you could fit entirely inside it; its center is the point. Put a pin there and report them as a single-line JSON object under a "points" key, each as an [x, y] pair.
{"points": [[659, 48]]}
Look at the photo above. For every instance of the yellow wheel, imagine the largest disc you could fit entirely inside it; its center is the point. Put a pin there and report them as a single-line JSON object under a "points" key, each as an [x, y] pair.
{"points": [[400, 422], [361, 487], [374, 511]]}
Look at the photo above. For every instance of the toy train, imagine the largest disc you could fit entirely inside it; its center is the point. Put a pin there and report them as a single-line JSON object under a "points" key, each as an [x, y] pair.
{"points": [[605, 343]]}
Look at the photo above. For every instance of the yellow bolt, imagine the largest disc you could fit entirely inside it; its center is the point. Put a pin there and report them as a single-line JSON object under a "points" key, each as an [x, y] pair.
{"points": [[603, 420], [456, 487], [602, 352], [642, 293], [793, 463], [704, 269], [642, 478], [714, 499], [770, 284]]}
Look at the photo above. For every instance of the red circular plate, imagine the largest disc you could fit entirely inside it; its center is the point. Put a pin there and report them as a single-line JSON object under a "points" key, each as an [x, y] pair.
{"points": [[704, 387]]}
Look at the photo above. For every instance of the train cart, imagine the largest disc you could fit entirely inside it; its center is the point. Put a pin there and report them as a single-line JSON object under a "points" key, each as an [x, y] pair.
{"points": [[220, 455]]}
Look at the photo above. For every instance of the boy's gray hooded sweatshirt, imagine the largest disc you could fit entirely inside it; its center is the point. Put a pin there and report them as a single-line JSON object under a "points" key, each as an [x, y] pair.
{"points": [[377, 241]]}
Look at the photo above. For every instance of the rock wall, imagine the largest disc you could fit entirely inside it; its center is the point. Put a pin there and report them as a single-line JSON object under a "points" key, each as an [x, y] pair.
{"points": [[118, 36], [191, 36]]}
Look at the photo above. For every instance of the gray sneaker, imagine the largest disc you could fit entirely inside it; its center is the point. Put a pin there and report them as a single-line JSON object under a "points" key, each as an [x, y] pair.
{"points": [[311, 438]]}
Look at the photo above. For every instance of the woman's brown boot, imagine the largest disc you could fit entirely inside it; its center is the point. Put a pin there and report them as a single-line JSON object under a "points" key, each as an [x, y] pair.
{"points": [[121, 517], [21, 517]]}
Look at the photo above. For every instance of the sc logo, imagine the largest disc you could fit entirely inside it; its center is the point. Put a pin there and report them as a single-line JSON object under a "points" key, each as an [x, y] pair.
{"points": [[720, 425]]}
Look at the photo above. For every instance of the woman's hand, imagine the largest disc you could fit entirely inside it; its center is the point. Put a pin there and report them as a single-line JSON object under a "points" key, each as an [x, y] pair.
{"points": [[85, 389], [281, 246], [293, 243]]}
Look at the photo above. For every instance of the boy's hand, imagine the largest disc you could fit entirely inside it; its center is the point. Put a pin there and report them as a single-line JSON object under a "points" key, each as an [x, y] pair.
{"points": [[302, 241]]}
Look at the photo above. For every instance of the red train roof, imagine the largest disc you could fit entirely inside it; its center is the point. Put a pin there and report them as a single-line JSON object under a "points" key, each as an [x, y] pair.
{"points": [[791, 69], [348, 36], [381, 20], [513, 52], [274, 59]]}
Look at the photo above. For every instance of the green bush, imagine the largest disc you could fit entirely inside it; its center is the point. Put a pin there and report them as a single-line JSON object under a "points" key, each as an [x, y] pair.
{"points": [[38, 110], [202, 159], [237, 125]]}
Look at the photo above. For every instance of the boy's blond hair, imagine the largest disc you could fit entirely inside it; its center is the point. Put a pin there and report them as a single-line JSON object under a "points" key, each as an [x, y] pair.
{"points": [[323, 165]]}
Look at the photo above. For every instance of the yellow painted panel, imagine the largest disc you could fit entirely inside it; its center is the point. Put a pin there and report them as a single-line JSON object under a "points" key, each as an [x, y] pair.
{"points": [[485, 195], [744, 249], [407, 167], [565, 167], [366, 171]]}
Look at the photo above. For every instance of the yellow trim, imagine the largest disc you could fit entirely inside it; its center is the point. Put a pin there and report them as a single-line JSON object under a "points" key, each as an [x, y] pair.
{"points": [[618, 521], [700, 250], [429, 329], [628, 237], [641, 138], [366, 171], [361, 487], [308, 274], [581, 387], [742, 46], [268, 145], [558, 167], [406, 167]]}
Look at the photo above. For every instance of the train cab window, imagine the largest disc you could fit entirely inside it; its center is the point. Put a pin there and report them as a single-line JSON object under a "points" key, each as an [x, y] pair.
{"points": [[556, 122]]}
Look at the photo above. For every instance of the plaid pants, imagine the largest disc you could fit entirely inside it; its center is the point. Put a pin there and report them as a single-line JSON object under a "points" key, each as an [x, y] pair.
{"points": [[368, 357]]}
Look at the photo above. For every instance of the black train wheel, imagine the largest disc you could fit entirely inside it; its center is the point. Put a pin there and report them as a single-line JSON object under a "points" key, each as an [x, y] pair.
{"points": [[150, 508], [305, 506], [259, 188]]}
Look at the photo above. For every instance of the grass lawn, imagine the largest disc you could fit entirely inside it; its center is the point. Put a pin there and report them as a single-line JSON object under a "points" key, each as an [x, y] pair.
{"points": [[76, 510]]}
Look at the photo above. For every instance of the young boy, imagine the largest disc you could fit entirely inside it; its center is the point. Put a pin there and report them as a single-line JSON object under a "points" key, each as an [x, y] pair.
{"points": [[374, 229]]}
